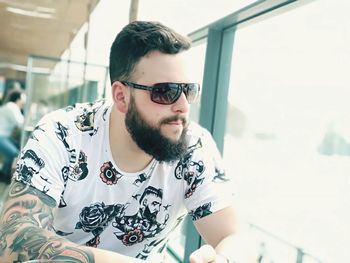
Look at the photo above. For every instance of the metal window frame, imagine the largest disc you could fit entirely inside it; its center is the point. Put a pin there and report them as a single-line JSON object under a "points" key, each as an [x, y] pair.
{"points": [[220, 37]]}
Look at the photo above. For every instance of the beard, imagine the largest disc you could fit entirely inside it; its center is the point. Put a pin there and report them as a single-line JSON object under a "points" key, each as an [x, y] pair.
{"points": [[150, 216], [151, 140]]}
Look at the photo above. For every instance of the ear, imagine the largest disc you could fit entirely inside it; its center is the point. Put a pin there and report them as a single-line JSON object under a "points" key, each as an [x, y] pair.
{"points": [[119, 96], [144, 202]]}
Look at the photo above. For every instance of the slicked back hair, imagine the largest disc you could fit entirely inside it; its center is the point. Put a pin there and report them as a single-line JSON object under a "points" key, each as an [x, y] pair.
{"points": [[136, 40]]}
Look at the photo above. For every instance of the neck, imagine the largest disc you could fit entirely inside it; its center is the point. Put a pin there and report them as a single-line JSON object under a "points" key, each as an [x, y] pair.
{"points": [[126, 154]]}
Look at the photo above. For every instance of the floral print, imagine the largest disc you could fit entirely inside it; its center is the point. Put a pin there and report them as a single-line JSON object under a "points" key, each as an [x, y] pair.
{"points": [[132, 237], [201, 211], [109, 174]]}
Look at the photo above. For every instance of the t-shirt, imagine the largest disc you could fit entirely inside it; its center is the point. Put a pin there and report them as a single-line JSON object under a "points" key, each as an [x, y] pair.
{"points": [[68, 157], [10, 118]]}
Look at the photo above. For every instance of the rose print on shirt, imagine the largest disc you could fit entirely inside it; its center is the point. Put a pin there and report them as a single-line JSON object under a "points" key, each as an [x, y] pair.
{"points": [[130, 229], [95, 218]]}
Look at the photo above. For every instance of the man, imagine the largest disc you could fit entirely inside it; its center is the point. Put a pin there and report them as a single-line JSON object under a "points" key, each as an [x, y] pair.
{"points": [[11, 118], [109, 182]]}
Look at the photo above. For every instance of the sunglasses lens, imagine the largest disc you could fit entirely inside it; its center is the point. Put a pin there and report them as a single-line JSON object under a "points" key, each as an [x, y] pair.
{"points": [[165, 93], [192, 91]]}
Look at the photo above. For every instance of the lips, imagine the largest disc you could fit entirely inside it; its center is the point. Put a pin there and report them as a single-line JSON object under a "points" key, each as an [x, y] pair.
{"points": [[175, 122]]}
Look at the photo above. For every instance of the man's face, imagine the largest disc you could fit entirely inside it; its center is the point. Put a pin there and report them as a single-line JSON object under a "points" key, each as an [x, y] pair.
{"points": [[153, 203], [154, 68], [158, 129], [21, 101], [150, 139]]}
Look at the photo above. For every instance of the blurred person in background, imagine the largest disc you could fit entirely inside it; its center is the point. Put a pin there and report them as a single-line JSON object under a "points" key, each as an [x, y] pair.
{"points": [[14, 86], [110, 181], [11, 121]]}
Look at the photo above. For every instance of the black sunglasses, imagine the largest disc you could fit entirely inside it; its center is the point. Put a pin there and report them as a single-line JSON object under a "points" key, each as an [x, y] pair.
{"points": [[168, 92]]}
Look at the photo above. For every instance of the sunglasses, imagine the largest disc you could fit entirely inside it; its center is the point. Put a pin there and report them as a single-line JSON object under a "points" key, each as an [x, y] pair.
{"points": [[168, 92]]}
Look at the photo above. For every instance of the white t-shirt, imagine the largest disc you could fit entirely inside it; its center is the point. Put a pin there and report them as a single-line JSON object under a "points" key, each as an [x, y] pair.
{"points": [[10, 118], [68, 157]]}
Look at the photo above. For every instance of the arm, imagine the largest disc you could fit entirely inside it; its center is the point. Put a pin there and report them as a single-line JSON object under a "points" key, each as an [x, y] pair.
{"points": [[25, 225], [18, 117], [222, 232]]}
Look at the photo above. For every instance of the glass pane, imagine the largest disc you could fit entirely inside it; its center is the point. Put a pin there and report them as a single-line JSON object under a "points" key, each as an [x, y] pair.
{"points": [[54, 83], [186, 16], [287, 140], [196, 56]]}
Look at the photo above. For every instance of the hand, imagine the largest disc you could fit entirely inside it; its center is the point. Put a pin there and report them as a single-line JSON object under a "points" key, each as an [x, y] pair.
{"points": [[204, 254]]}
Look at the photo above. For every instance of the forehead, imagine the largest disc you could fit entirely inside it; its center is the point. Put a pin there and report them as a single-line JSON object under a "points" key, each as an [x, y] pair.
{"points": [[29, 161], [152, 197], [158, 67]]}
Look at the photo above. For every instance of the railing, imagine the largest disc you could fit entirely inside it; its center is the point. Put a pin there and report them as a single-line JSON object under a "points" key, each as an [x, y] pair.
{"points": [[266, 252], [174, 255], [272, 249]]}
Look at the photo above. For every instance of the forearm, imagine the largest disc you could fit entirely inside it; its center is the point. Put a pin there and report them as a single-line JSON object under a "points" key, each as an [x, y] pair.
{"points": [[32, 242]]}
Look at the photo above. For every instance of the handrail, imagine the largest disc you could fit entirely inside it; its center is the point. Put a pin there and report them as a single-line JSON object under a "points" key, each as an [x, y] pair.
{"points": [[300, 251], [173, 253]]}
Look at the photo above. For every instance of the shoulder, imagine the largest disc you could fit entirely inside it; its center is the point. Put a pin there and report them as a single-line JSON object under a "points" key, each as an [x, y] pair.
{"points": [[87, 115], [9, 107], [78, 118], [198, 135]]}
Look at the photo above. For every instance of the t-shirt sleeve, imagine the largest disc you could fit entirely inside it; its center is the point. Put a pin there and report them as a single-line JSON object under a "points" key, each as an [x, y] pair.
{"points": [[41, 161], [207, 189]]}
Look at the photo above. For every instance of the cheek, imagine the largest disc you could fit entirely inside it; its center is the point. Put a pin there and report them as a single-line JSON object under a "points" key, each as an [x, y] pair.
{"points": [[151, 112], [153, 115]]}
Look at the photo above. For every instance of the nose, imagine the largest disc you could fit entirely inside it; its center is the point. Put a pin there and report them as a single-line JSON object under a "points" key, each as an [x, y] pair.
{"points": [[181, 105]]}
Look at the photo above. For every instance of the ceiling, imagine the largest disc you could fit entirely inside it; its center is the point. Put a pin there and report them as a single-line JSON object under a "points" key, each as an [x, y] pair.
{"points": [[37, 27]]}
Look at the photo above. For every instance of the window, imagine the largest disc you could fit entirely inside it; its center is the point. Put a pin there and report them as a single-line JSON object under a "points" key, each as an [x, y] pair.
{"points": [[287, 141]]}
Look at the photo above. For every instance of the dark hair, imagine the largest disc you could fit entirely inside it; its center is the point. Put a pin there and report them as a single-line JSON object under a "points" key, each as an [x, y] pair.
{"points": [[14, 95], [138, 39], [150, 190]]}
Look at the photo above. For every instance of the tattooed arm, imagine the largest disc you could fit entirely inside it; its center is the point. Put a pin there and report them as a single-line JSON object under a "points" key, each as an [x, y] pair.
{"points": [[25, 232]]}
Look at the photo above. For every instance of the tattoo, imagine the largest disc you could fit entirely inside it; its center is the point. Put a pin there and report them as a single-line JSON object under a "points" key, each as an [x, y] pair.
{"points": [[24, 226], [36, 244], [28, 204], [18, 189], [66, 253]]}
